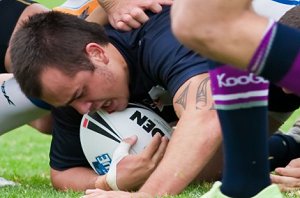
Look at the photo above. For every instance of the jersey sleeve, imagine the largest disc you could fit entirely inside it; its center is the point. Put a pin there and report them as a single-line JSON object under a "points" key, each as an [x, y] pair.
{"points": [[66, 151], [165, 58]]}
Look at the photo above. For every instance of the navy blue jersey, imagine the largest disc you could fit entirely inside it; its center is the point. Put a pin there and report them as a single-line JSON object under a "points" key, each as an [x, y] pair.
{"points": [[158, 66], [10, 11], [155, 57]]}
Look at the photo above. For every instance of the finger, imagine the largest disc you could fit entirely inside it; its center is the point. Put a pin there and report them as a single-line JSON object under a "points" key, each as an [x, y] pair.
{"points": [[120, 25], [288, 171], [139, 15], [152, 147], [294, 163], [90, 191], [285, 181], [155, 7], [157, 157], [165, 2], [130, 21]]}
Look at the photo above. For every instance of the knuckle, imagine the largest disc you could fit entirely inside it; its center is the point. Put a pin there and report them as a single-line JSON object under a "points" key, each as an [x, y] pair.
{"points": [[126, 18], [149, 3], [136, 12], [151, 166]]}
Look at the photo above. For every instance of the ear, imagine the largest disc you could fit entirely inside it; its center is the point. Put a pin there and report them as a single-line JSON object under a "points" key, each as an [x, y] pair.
{"points": [[96, 53]]}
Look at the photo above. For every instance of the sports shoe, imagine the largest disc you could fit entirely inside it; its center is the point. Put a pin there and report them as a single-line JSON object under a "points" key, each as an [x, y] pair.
{"points": [[295, 131], [271, 191], [5, 182]]}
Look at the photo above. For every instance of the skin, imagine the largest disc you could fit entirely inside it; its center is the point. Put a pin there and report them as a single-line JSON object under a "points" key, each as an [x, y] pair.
{"points": [[126, 15], [288, 178], [203, 27], [210, 172], [112, 97], [136, 167], [81, 178], [192, 100], [133, 165], [178, 180], [73, 178]]}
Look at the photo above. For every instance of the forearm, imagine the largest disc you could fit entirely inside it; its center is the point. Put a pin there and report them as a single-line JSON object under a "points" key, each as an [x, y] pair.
{"points": [[98, 16], [190, 148], [227, 33], [77, 179], [106, 4]]}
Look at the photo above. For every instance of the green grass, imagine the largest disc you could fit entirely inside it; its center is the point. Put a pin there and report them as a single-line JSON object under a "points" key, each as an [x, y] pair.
{"points": [[24, 159], [291, 120], [50, 3]]}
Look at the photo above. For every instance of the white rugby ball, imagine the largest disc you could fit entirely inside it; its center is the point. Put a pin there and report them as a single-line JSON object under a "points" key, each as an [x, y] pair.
{"points": [[101, 133]]}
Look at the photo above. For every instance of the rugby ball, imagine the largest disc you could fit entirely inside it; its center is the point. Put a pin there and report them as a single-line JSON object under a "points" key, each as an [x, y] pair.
{"points": [[101, 133]]}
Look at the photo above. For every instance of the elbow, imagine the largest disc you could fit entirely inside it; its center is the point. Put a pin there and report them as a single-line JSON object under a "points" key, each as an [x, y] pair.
{"points": [[57, 180], [56, 185]]}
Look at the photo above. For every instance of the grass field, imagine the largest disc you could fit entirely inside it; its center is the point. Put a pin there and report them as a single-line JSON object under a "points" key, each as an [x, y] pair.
{"points": [[24, 159]]}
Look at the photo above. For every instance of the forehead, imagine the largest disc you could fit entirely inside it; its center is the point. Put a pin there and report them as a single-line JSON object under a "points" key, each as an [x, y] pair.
{"points": [[57, 87]]}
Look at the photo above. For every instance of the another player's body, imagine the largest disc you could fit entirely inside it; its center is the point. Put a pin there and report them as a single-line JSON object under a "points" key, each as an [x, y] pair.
{"points": [[257, 45]]}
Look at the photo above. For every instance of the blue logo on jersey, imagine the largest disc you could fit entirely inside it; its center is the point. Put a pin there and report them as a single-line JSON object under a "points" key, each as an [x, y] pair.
{"points": [[288, 2], [102, 164]]}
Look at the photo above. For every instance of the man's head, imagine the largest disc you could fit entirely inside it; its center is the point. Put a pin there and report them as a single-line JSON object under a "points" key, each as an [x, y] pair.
{"points": [[65, 60]]}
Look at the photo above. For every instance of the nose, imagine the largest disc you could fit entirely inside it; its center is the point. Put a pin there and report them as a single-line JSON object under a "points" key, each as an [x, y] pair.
{"points": [[82, 107]]}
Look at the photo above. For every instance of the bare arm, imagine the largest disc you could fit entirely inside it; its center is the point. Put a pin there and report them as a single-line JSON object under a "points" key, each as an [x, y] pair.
{"points": [[77, 179], [98, 16], [132, 170], [193, 143], [227, 32]]}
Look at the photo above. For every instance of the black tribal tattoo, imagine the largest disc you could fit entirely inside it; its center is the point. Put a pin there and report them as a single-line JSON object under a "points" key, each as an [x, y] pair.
{"points": [[183, 97], [201, 97]]}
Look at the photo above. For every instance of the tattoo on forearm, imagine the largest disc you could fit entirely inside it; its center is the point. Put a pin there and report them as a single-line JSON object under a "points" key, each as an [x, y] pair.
{"points": [[182, 99], [202, 94]]}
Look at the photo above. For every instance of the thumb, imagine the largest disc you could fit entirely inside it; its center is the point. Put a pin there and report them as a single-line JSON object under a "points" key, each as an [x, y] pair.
{"points": [[121, 151], [130, 140], [123, 148]]}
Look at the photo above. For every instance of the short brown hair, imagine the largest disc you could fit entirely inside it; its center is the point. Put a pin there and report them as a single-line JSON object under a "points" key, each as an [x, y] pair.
{"points": [[52, 39]]}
